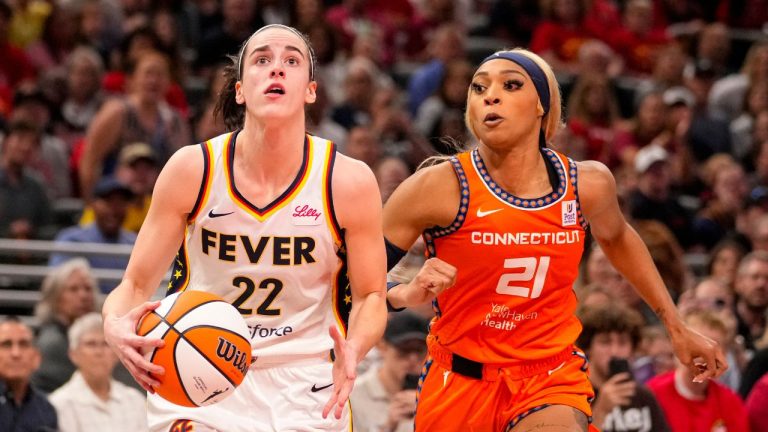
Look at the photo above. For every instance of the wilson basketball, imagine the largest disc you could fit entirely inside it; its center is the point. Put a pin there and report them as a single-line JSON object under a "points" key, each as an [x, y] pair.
{"points": [[207, 350]]}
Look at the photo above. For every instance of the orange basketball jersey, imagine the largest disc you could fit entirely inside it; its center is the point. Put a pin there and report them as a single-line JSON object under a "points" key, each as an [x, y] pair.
{"points": [[517, 260]]}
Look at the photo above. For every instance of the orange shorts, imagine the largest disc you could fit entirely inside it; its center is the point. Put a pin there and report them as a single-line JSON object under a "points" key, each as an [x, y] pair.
{"points": [[450, 401]]}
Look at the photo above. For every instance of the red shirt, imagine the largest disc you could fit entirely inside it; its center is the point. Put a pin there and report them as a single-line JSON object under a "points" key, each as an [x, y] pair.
{"points": [[564, 41], [757, 405], [639, 51], [517, 260], [721, 411]]}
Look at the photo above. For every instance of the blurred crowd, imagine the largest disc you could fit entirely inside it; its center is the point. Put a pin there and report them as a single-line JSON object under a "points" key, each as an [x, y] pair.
{"points": [[672, 95]]}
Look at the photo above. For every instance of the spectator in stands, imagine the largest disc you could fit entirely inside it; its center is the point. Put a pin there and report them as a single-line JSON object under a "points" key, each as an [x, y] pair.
{"points": [[752, 291], [599, 271], [207, 124], [707, 135], [754, 208], [447, 44], [648, 123], [239, 19], [360, 85], [592, 114], [638, 40], [92, 400], [142, 116], [124, 61], [758, 235], [22, 407], [390, 171], [620, 404], [24, 207], [759, 178], [451, 94], [15, 68], [726, 100], [667, 255], [714, 296], [58, 40], [713, 48], [655, 355], [756, 368], [84, 69], [724, 261], [385, 396], [654, 198], [718, 217], [28, 21], [110, 204], [68, 292], [331, 65], [50, 162], [699, 406], [137, 168], [363, 145], [757, 402], [513, 20], [321, 124], [742, 127], [668, 70], [559, 37]]}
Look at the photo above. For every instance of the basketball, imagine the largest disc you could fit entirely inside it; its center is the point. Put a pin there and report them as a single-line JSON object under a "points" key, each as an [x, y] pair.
{"points": [[207, 351]]}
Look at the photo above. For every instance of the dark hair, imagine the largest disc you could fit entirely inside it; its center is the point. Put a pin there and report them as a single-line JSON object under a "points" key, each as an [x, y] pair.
{"points": [[22, 126], [5, 10], [227, 107], [608, 319]]}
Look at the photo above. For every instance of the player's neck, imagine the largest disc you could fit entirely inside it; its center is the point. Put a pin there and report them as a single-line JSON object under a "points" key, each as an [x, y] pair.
{"points": [[269, 151], [519, 170]]}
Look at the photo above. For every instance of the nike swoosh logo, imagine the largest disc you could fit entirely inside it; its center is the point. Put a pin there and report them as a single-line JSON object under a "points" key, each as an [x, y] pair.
{"points": [[551, 371], [211, 214], [316, 389], [481, 213]]}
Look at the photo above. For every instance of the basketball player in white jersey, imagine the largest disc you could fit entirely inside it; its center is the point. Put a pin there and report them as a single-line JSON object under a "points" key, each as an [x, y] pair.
{"points": [[272, 220]]}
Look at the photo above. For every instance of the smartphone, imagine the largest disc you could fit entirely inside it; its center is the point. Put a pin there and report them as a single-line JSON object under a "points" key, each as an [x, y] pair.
{"points": [[410, 382], [618, 365]]}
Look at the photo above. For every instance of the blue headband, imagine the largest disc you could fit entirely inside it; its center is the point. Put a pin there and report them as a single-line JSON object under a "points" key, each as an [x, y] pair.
{"points": [[533, 70]]}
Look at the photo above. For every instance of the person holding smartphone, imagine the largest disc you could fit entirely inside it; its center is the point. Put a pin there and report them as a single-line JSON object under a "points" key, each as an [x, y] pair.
{"points": [[609, 339], [384, 398]]}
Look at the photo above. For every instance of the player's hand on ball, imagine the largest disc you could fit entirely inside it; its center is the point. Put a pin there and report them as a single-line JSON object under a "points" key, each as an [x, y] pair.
{"points": [[434, 277], [120, 333], [344, 373]]}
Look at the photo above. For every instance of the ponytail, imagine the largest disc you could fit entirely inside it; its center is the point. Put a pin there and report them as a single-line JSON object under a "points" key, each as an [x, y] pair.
{"points": [[227, 107]]}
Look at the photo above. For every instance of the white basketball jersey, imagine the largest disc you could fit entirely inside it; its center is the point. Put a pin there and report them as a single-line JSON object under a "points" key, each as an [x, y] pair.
{"points": [[281, 266]]}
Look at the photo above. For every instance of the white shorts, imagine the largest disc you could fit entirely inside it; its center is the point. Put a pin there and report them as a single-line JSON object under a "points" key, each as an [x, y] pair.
{"points": [[289, 398]]}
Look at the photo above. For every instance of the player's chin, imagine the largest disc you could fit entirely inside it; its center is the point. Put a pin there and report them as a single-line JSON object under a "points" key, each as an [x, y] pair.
{"points": [[277, 114]]}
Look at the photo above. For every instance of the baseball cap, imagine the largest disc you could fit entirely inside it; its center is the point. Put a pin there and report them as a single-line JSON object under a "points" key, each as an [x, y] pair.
{"points": [[648, 156], [679, 95], [405, 326], [135, 152], [110, 185]]}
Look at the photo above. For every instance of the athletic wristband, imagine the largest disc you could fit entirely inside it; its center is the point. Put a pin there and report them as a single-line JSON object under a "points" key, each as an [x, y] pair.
{"points": [[391, 308]]}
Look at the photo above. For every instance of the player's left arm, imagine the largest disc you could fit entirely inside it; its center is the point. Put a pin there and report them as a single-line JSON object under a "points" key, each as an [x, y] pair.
{"points": [[357, 204], [627, 252]]}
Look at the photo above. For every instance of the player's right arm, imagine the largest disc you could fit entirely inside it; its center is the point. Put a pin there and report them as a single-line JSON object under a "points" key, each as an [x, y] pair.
{"points": [[428, 198], [158, 241]]}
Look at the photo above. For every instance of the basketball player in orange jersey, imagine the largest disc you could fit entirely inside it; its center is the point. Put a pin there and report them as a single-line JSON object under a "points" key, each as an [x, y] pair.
{"points": [[272, 220], [507, 222]]}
